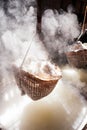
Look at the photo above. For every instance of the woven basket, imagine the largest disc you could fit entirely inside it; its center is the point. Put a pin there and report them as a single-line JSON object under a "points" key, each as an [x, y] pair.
{"points": [[77, 58], [33, 86]]}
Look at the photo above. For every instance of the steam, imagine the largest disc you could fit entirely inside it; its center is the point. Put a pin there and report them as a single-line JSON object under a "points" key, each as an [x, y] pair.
{"points": [[17, 28], [57, 111], [18, 31], [59, 30], [76, 78]]}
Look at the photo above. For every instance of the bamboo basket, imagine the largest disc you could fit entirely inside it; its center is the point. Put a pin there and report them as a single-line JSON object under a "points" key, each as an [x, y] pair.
{"points": [[32, 85], [35, 87], [77, 58]]}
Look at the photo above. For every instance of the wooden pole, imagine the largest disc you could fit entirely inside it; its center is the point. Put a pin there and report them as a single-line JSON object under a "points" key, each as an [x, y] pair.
{"points": [[83, 26]]}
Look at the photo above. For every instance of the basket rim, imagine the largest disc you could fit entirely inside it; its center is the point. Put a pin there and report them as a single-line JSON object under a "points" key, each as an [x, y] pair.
{"points": [[75, 51], [55, 78], [42, 79]]}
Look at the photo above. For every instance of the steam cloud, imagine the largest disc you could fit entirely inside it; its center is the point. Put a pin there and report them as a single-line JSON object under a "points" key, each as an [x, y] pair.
{"points": [[18, 26], [59, 31]]}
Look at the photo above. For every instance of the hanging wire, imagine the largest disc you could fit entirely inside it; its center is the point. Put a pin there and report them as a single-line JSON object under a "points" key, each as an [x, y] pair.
{"points": [[27, 50]]}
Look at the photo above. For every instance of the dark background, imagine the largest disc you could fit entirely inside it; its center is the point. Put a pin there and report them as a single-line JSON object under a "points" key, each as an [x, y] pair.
{"points": [[78, 6], [42, 5]]}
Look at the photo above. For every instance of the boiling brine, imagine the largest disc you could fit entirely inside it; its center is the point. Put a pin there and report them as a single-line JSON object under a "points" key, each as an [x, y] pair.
{"points": [[63, 109]]}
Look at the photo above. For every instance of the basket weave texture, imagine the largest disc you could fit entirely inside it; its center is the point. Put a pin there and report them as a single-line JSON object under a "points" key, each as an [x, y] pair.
{"points": [[33, 86], [77, 58]]}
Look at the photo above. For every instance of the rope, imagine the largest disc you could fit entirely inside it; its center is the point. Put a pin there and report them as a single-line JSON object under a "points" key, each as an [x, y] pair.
{"points": [[27, 51]]}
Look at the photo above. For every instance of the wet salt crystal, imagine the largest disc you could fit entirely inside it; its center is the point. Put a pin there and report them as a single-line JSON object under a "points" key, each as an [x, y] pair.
{"points": [[42, 69]]}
